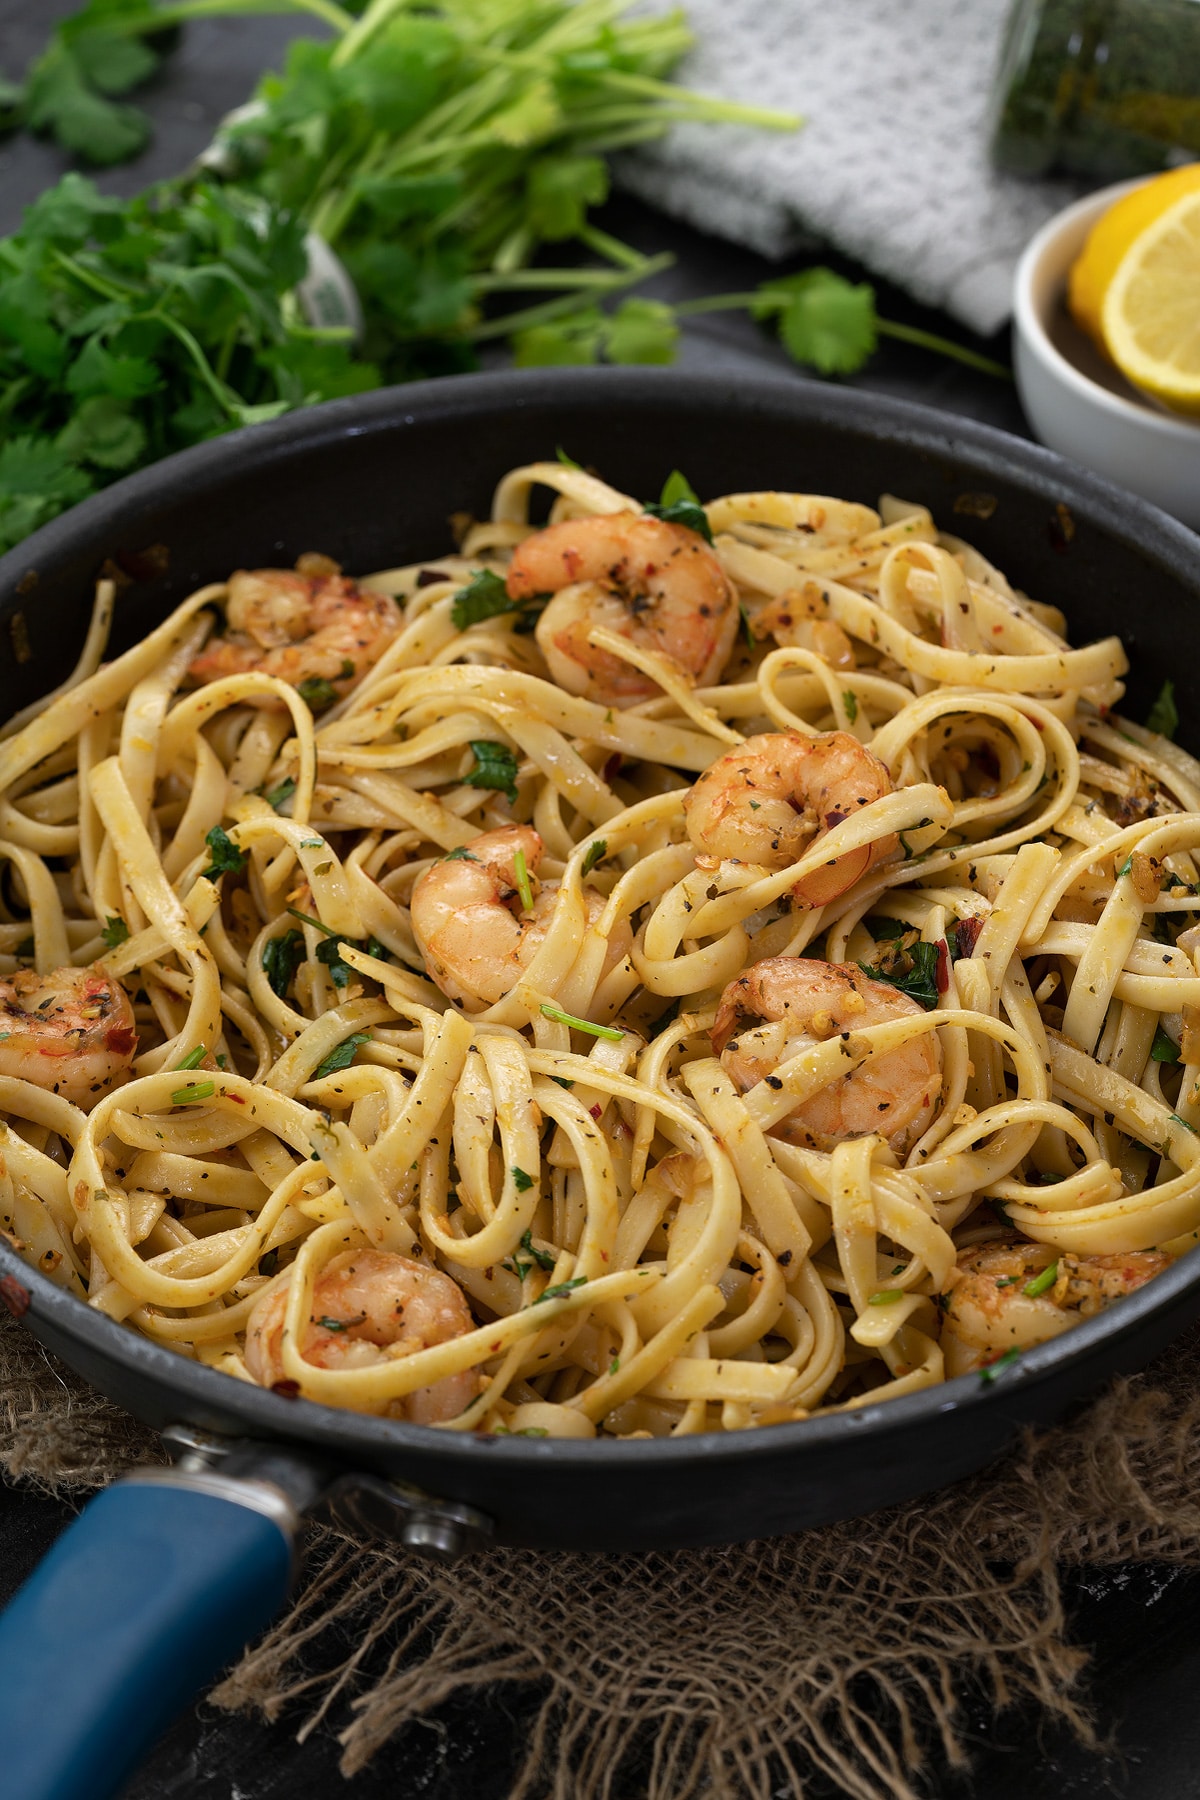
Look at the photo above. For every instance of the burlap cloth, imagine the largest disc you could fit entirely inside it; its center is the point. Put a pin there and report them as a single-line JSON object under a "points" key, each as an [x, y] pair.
{"points": [[719, 1673]]}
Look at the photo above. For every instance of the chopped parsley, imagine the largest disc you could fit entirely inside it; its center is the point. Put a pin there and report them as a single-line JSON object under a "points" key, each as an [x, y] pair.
{"points": [[460, 854], [495, 767], [679, 504], [596, 853], [521, 1181], [279, 797], [540, 1257], [115, 932], [1164, 1049], [560, 1289], [227, 858], [1163, 716], [341, 1056], [329, 952], [281, 957], [484, 597], [317, 693], [912, 970]]}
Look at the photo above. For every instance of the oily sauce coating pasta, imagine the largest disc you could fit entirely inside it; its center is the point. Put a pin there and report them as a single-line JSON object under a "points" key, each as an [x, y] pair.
{"points": [[542, 1007]]}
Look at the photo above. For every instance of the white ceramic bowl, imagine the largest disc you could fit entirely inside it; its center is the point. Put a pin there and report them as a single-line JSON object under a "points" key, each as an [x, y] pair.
{"points": [[1076, 401]]}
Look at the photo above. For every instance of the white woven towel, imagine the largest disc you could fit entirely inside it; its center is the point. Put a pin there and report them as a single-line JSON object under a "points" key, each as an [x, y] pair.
{"points": [[892, 164]]}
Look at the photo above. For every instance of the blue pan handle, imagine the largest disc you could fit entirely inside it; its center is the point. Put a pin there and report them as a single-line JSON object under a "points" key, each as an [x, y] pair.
{"points": [[151, 1592]]}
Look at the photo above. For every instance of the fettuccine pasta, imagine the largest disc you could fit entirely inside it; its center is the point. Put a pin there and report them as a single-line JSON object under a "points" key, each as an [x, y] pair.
{"points": [[656, 971]]}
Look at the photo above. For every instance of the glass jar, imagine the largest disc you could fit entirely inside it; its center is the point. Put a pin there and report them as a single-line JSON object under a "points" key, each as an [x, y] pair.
{"points": [[1098, 88]]}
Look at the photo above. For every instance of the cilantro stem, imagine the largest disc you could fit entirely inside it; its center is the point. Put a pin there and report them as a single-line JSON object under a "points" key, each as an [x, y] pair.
{"points": [[556, 309], [565, 1018], [524, 886], [307, 919], [761, 303], [928, 340]]}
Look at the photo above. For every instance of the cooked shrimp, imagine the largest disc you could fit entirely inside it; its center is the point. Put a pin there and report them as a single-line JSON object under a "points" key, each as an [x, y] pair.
{"points": [[470, 923], [989, 1309], [800, 616], [310, 624], [372, 1306], [70, 1031], [802, 1001], [657, 584], [769, 800]]}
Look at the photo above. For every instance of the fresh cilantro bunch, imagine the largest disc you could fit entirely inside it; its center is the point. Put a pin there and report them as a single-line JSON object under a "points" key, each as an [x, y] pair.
{"points": [[129, 329]]}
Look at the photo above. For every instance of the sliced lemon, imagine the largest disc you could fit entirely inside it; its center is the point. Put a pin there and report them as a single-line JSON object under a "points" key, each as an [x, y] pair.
{"points": [[1110, 239], [1150, 318]]}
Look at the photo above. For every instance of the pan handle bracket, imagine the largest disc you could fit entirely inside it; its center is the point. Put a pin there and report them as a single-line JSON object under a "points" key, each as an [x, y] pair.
{"points": [[396, 1511]]}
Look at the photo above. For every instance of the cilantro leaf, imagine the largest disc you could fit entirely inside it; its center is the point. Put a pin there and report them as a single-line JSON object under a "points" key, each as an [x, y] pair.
{"points": [[329, 952], [341, 1056], [279, 797], [680, 505], [495, 767], [825, 321], [561, 1288], [913, 971], [227, 857], [641, 331], [281, 957], [317, 693], [541, 1257], [103, 432], [484, 597], [558, 192], [1163, 716]]}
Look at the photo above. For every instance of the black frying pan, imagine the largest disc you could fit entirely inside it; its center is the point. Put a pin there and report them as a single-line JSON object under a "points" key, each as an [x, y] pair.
{"points": [[189, 1563]]}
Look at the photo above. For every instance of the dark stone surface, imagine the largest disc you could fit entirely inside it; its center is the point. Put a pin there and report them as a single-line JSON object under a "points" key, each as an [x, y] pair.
{"points": [[1138, 1620]]}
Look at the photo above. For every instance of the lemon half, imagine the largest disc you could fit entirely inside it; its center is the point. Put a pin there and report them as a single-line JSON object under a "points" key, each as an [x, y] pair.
{"points": [[1150, 318], [1135, 287]]}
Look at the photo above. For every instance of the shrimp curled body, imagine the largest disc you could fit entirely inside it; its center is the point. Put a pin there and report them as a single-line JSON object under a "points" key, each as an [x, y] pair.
{"points": [[318, 628], [370, 1307], [989, 1310], [802, 1002], [656, 583], [71, 1031], [769, 801], [470, 923]]}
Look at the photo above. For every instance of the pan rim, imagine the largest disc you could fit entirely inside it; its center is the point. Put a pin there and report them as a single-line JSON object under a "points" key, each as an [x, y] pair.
{"points": [[1162, 542]]}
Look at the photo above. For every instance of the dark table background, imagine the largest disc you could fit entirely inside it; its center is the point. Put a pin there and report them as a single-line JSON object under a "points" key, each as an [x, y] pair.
{"points": [[1139, 1621]]}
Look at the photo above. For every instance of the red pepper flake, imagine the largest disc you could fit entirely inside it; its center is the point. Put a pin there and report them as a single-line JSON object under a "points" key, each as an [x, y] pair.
{"points": [[942, 971], [595, 1110], [238, 1099], [834, 818], [15, 1296], [286, 1389]]}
